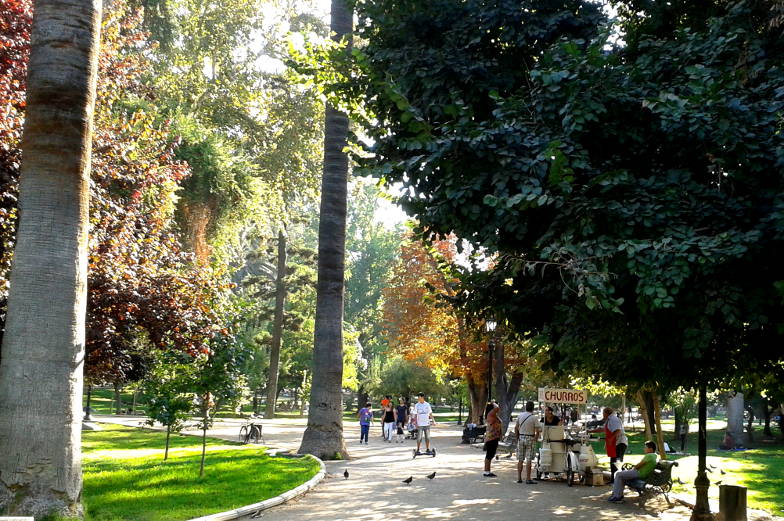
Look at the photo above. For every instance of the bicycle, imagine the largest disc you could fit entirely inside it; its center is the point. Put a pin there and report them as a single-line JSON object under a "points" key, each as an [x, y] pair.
{"points": [[251, 432]]}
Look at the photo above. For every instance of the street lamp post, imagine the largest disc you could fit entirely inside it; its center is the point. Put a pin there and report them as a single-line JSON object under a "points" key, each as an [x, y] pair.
{"points": [[490, 326]]}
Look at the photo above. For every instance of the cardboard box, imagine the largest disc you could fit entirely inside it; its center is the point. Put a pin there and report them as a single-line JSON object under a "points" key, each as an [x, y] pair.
{"points": [[595, 477]]}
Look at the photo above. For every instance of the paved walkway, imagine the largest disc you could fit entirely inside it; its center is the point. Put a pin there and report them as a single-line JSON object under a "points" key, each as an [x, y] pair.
{"points": [[374, 491]]}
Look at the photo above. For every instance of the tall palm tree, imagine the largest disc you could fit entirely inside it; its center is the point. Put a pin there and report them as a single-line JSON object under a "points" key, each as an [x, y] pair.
{"points": [[324, 435], [43, 345]]}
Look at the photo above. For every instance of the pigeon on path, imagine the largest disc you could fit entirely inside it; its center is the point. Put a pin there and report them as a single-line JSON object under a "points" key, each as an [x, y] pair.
{"points": [[408, 480], [431, 476], [345, 474], [722, 471]]}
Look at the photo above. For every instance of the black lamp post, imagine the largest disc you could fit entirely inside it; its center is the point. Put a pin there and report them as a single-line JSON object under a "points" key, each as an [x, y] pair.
{"points": [[490, 326]]}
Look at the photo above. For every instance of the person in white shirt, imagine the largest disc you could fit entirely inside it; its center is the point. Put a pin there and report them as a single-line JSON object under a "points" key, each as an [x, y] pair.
{"points": [[424, 419], [614, 428], [527, 429]]}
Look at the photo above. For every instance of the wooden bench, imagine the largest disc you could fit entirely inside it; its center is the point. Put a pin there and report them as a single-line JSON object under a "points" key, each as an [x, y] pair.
{"points": [[658, 482]]}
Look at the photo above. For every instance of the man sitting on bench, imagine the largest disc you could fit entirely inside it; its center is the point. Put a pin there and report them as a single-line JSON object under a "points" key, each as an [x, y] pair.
{"points": [[640, 472]]}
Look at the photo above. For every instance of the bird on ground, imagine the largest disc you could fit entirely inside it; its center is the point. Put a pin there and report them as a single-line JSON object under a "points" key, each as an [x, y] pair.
{"points": [[257, 514], [718, 482], [722, 471], [408, 480], [710, 467], [679, 482], [431, 476], [345, 474]]}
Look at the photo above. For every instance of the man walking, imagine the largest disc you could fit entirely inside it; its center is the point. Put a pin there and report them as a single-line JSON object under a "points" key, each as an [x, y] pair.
{"points": [[424, 418], [527, 430]]}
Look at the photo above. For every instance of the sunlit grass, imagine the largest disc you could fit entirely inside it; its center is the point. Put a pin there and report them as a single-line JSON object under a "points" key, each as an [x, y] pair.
{"points": [[126, 479], [760, 470]]}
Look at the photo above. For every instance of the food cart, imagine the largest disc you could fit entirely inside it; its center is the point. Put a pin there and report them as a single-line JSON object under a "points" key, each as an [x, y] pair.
{"points": [[565, 453]]}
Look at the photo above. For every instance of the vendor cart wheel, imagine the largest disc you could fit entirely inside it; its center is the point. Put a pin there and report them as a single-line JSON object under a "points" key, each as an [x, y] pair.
{"points": [[569, 471]]}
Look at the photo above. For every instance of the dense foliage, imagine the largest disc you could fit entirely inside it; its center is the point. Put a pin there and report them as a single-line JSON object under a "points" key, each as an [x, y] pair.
{"points": [[630, 193], [142, 288]]}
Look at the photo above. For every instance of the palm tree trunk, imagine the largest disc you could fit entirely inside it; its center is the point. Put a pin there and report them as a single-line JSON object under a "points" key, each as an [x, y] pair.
{"points": [[324, 434], [41, 376], [277, 328]]}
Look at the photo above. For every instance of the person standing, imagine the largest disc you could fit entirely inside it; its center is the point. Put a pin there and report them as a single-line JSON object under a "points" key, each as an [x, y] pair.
{"points": [[386, 400], [492, 436], [683, 431], [402, 419], [365, 419], [615, 440], [388, 418], [424, 419], [550, 418], [527, 431]]}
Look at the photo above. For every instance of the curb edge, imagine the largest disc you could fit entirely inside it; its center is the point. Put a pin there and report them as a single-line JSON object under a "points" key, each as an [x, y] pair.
{"points": [[271, 502]]}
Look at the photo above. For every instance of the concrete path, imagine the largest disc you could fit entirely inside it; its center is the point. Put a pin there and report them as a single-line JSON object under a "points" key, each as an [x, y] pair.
{"points": [[459, 492]]}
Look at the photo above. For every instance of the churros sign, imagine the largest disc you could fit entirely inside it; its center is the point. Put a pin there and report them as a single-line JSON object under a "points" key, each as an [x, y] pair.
{"points": [[563, 396]]}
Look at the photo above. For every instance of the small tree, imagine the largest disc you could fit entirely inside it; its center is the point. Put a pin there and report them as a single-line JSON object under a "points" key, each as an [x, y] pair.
{"points": [[168, 401], [218, 380]]}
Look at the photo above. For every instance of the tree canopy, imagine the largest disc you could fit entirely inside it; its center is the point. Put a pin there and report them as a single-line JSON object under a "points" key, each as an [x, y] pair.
{"points": [[630, 192]]}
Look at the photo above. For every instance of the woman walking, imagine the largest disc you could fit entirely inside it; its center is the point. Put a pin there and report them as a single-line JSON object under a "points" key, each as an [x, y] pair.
{"points": [[492, 436], [389, 417]]}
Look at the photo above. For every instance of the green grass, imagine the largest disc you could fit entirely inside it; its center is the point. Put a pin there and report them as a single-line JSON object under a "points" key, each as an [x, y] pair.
{"points": [[102, 401], [126, 479], [760, 470]]}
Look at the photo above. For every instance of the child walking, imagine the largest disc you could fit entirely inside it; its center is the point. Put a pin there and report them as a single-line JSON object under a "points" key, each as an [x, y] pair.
{"points": [[365, 419]]}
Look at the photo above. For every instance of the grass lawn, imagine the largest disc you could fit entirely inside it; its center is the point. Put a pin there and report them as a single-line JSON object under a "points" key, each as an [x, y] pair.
{"points": [[126, 479], [102, 401], [760, 470]]}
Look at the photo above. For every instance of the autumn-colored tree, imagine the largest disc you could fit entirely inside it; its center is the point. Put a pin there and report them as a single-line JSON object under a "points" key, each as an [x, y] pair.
{"points": [[422, 326], [142, 288], [15, 22]]}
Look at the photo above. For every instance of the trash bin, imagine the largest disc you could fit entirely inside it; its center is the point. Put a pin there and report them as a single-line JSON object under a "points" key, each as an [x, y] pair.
{"points": [[732, 503]]}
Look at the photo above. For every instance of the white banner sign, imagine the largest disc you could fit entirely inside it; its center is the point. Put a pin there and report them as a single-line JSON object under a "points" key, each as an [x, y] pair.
{"points": [[574, 396]]}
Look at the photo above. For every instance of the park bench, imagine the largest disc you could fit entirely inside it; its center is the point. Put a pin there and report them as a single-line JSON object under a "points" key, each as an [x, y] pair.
{"points": [[658, 482], [474, 434]]}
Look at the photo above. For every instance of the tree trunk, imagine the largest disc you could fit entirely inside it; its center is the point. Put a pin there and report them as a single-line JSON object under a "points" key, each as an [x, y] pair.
{"points": [[277, 327], [203, 448], [735, 416], [324, 434], [645, 415], [362, 397], [768, 412], [506, 390], [41, 373], [168, 434], [659, 432], [117, 398], [750, 426], [477, 392], [135, 401]]}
